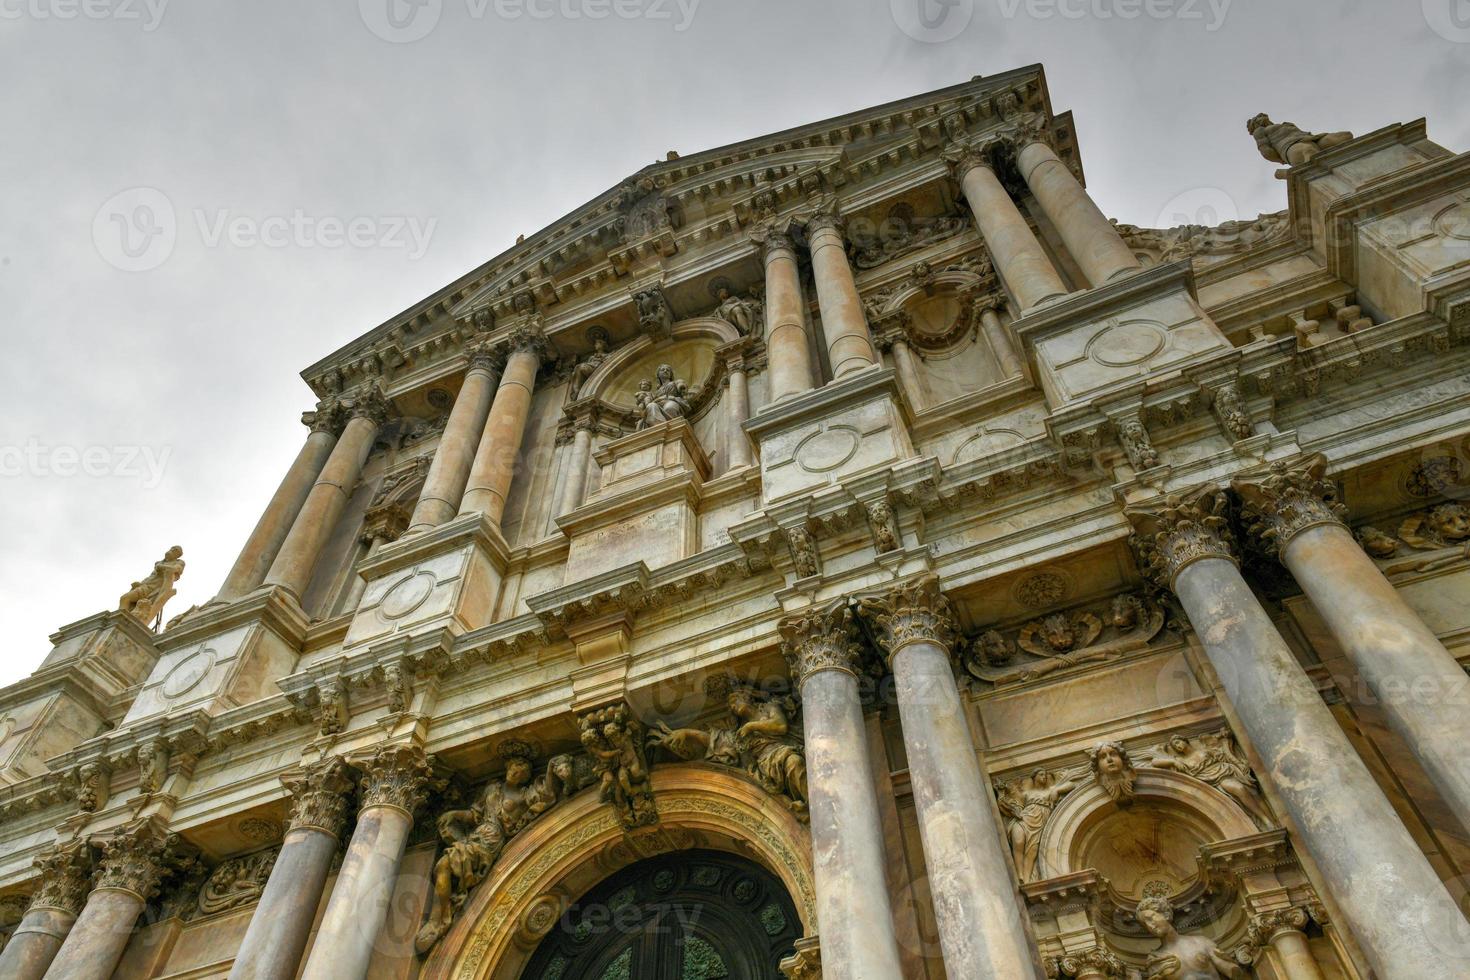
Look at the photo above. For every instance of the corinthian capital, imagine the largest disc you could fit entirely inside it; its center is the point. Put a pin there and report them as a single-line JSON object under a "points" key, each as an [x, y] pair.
{"points": [[772, 239], [136, 859], [825, 221], [66, 873], [395, 776], [962, 157], [319, 795], [916, 611], [1092, 962], [529, 338], [1265, 926], [1287, 501], [484, 356], [368, 403], [821, 638], [1180, 530]]}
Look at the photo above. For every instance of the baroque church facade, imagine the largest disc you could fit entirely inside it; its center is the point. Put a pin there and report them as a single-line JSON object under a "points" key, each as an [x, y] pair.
{"points": [[844, 554]]}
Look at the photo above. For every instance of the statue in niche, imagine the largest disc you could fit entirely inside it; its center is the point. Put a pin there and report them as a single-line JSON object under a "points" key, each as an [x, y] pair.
{"points": [[762, 739], [1180, 957], [145, 600], [1213, 758], [1287, 143], [743, 313], [588, 365], [615, 741], [665, 401], [475, 837], [1113, 771], [1026, 803]]}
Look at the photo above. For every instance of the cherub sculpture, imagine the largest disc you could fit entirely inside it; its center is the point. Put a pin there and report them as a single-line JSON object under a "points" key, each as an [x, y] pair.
{"points": [[762, 740], [1287, 143], [615, 741], [1113, 771], [1026, 803], [1180, 957], [145, 600]]}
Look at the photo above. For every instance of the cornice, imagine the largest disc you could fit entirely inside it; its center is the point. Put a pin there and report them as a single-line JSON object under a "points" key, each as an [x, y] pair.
{"points": [[271, 607]]}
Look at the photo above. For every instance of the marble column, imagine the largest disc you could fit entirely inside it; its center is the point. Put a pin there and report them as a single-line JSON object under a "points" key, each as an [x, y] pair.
{"points": [[450, 470], [999, 340], [1018, 256], [854, 917], [1416, 681], [270, 532], [1403, 918], [574, 489], [787, 351], [1091, 238], [498, 455], [65, 872], [329, 495], [133, 864], [976, 905], [281, 923], [737, 411], [849, 345], [394, 783], [1283, 931], [896, 342]]}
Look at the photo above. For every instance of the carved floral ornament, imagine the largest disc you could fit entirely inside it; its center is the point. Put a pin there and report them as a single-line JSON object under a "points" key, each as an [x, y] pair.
{"points": [[1172, 534], [1287, 501]]}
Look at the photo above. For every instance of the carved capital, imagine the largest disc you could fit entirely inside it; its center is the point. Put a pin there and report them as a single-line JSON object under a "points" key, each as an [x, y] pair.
{"points": [[821, 638], [395, 776], [66, 873], [1092, 963], [1287, 501], [1180, 530], [368, 403], [771, 241], [328, 416], [484, 356], [528, 338], [824, 221], [914, 612], [136, 859], [319, 796], [1266, 926], [966, 156]]}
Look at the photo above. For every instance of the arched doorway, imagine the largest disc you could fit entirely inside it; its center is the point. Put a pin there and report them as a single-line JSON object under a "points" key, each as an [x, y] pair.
{"points": [[688, 915]]}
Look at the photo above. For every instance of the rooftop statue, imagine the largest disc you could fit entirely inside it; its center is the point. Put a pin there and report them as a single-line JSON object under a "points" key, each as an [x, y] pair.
{"points": [[144, 601]]}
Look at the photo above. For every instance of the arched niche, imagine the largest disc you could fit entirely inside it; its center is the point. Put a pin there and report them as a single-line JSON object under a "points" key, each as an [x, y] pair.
{"points": [[575, 846], [1157, 837], [690, 351]]}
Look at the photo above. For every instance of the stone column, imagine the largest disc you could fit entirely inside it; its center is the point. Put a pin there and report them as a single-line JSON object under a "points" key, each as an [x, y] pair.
{"points": [[574, 490], [329, 495], [1402, 916], [133, 864], [500, 445], [270, 532], [976, 905], [999, 340], [849, 346], [736, 413], [66, 872], [1018, 255], [1417, 682], [450, 470], [394, 783], [281, 923], [1282, 930], [787, 350], [1091, 238], [380, 526], [896, 341], [853, 913]]}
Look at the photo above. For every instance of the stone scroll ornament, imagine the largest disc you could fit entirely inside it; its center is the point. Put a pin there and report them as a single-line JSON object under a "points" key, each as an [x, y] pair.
{"points": [[1061, 640], [761, 737], [615, 740], [475, 837]]}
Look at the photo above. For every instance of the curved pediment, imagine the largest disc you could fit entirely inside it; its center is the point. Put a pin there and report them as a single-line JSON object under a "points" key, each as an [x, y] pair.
{"points": [[691, 350]]}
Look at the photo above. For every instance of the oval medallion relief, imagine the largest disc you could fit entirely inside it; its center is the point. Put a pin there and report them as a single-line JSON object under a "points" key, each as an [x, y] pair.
{"points": [[187, 673], [407, 595], [1127, 343], [824, 451]]}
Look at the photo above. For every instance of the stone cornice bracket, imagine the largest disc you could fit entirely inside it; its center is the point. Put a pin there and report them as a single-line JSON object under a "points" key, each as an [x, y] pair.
{"points": [[66, 874], [395, 776], [1172, 534], [1288, 500], [916, 611], [320, 794], [137, 858], [805, 962], [821, 638]]}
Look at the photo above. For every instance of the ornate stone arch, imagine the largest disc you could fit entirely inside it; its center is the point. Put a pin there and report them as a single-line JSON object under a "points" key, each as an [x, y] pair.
{"points": [[611, 384], [578, 844]]}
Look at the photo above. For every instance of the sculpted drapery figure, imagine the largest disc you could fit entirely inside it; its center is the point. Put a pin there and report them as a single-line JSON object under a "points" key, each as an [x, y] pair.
{"points": [[475, 837], [1287, 143], [1180, 957], [762, 740], [663, 402], [742, 313], [588, 365], [615, 740], [145, 600], [1213, 759], [1026, 803]]}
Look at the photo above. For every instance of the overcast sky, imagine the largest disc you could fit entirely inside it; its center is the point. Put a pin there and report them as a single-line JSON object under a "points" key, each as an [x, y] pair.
{"points": [[149, 390]]}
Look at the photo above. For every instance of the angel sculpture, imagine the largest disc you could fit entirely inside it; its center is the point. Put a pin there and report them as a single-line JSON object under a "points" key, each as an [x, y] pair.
{"points": [[1026, 803], [763, 741], [1180, 957], [1213, 758]]}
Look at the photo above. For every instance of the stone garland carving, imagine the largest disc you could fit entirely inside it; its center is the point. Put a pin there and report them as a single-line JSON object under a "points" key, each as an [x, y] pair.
{"points": [[915, 611], [1113, 770], [761, 737], [144, 601], [745, 313], [1026, 803], [152, 765], [669, 399], [398, 682], [1288, 501], [65, 871], [803, 552], [94, 786], [1213, 758], [1178, 956], [885, 527], [332, 713], [1180, 530], [615, 740], [475, 837], [320, 795], [395, 776], [1062, 640], [236, 882], [1287, 143]]}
